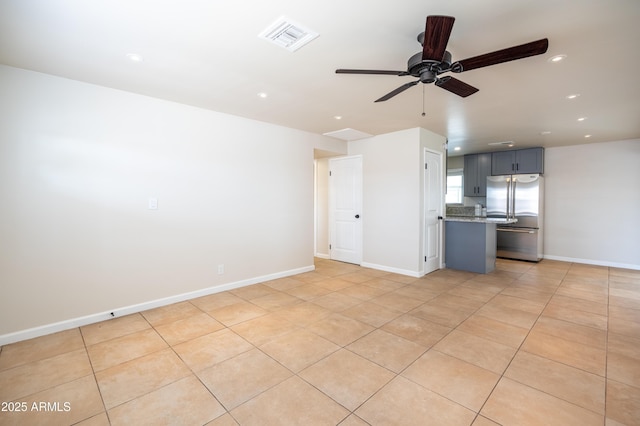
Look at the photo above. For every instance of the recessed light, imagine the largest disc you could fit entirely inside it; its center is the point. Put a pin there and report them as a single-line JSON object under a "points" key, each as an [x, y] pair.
{"points": [[457, 148], [557, 58], [134, 57], [582, 118], [337, 117], [262, 95], [573, 96], [545, 132], [587, 136]]}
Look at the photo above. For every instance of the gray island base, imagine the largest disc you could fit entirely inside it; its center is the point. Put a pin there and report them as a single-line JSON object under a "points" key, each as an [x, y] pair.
{"points": [[470, 243]]}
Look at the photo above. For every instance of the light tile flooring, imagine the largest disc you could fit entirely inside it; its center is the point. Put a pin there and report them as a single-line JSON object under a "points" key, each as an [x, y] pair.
{"points": [[530, 344]]}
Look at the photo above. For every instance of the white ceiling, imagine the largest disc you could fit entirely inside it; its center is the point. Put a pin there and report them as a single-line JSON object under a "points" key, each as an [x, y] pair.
{"points": [[207, 53]]}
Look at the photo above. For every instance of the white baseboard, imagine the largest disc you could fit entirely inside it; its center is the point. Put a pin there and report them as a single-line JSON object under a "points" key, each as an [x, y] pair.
{"points": [[593, 262], [322, 256], [127, 310], [415, 274]]}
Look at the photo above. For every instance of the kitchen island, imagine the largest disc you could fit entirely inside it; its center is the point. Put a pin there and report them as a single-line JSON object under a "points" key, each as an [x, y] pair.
{"points": [[470, 242]]}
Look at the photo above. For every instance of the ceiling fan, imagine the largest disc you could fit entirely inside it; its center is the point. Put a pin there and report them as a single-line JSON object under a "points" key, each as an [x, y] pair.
{"points": [[435, 60]]}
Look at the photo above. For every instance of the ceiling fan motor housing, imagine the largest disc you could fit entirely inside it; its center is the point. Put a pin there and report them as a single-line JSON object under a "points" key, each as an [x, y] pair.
{"points": [[427, 69]]}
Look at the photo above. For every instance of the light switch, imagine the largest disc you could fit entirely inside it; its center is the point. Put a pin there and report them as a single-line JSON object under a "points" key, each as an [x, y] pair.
{"points": [[153, 203]]}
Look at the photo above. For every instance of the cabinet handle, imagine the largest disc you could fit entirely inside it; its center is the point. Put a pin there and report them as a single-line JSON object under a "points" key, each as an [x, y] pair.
{"points": [[517, 166]]}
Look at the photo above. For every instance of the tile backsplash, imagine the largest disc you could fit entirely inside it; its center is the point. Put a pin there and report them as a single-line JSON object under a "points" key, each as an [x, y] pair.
{"points": [[461, 211]]}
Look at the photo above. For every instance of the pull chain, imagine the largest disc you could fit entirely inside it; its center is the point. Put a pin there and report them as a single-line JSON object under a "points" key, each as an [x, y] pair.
{"points": [[423, 113]]}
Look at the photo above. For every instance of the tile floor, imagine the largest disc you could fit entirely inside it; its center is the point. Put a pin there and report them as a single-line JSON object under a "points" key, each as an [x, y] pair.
{"points": [[530, 344]]}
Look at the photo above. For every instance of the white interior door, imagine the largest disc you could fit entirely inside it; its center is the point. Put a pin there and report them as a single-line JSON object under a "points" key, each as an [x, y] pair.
{"points": [[345, 209], [432, 211]]}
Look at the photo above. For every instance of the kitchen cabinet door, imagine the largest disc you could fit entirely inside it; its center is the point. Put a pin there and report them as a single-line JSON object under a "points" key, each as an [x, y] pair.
{"points": [[484, 170], [470, 173], [530, 160], [503, 163], [476, 169]]}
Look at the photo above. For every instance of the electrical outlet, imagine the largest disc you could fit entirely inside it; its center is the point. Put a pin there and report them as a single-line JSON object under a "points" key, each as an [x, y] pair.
{"points": [[221, 269]]}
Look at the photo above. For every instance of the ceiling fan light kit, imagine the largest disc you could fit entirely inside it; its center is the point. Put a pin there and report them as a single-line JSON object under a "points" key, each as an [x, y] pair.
{"points": [[435, 60]]}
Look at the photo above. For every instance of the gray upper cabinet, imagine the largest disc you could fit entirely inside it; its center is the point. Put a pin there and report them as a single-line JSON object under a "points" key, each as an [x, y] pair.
{"points": [[530, 160], [476, 169]]}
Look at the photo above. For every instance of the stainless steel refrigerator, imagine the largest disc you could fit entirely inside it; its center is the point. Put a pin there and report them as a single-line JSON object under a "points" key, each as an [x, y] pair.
{"points": [[520, 197]]}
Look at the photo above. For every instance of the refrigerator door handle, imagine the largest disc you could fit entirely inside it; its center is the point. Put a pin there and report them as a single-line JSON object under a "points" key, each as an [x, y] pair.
{"points": [[513, 198], [508, 197], [520, 231]]}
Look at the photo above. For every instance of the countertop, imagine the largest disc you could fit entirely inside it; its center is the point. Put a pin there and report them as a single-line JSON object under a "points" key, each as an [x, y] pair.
{"points": [[479, 219]]}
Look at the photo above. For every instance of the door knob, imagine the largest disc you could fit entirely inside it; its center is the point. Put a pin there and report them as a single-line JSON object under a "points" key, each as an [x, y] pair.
{"points": [[357, 216]]}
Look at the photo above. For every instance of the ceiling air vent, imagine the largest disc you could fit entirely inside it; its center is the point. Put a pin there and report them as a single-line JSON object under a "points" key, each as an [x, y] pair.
{"points": [[348, 134], [507, 143], [288, 34]]}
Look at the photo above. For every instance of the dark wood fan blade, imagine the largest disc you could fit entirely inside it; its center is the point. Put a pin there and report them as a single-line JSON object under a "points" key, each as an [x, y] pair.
{"points": [[456, 86], [343, 71], [436, 36], [398, 90], [499, 56]]}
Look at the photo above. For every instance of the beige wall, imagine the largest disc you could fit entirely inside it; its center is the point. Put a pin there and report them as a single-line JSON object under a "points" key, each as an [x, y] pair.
{"points": [[456, 162], [392, 215], [592, 203], [78, 164], [322, 208]]}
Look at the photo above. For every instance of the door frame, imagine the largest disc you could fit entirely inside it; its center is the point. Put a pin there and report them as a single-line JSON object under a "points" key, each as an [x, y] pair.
{"points": [[441, 156], [331, 218]]}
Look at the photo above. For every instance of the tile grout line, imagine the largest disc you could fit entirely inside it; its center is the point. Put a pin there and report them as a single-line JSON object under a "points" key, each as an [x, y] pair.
{"points": [[606, 352], [95, 379], [138, 357], [294, 374], [297, 374], [606, 345], [477, 413], [519, 348], [193, 372], [344, 347], [431, 347]]}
